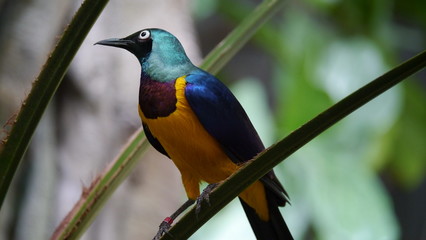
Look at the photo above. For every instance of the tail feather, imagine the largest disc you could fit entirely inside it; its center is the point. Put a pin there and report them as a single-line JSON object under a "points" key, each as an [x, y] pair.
{"points": [[275, 228]]}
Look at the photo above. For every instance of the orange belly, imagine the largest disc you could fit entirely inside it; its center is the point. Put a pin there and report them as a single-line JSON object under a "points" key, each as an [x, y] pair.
{"points": [[197, 155]]}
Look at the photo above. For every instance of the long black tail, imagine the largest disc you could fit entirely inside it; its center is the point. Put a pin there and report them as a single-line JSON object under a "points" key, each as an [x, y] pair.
{"points": [[275, 228]]}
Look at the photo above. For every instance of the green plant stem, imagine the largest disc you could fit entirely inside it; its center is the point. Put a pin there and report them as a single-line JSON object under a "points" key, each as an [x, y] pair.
{"points": [[44, 87], [272, 156], [94, 197], [229, 46]]}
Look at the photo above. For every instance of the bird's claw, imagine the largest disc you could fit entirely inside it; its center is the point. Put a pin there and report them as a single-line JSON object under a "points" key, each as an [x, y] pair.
{"points": [[167, 222], [204, 196], [164, 227]]}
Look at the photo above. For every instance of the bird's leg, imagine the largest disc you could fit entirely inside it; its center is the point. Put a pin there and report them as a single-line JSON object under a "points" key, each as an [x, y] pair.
{"points": [[204, 196], [168, 221]]}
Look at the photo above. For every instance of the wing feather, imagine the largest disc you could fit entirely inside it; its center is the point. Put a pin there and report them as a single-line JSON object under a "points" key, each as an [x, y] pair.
{"points": [[154, 141], [222, 116]]}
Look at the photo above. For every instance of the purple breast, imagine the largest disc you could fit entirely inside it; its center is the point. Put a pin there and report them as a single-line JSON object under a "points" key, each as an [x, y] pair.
{"points": [[157, 99]]}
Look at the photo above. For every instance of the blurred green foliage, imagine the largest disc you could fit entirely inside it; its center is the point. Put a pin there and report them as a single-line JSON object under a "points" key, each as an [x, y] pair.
{"points": [[319, 51], [404, 149]]}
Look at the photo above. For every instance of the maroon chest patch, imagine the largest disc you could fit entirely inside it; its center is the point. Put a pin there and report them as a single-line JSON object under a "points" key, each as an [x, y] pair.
{"points": [[157, 99]]}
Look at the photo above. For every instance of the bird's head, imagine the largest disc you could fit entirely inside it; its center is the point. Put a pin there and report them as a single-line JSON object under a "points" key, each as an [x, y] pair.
{"points": [[160, 54]]}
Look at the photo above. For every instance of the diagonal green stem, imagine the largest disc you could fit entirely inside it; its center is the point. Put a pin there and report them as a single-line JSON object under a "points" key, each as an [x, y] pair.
{"points": [[94, 197], [44, 87], [272, 156], [229, 46]]}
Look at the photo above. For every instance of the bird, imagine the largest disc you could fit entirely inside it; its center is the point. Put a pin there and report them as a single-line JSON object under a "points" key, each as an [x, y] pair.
{"points": [[192, 118]]}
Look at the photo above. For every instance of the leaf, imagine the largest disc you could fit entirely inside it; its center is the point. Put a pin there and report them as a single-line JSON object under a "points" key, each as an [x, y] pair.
{"points": [[269, 158]]}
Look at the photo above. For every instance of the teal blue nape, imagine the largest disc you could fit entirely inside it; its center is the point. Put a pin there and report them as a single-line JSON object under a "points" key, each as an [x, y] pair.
{"points": [[176, 97]]}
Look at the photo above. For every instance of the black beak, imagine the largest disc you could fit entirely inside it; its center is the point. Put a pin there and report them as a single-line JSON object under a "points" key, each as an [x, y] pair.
{"points": [[120, 43], [130, 43]]}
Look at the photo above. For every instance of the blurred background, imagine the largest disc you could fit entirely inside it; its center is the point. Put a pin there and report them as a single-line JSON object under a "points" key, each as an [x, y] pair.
{"points": [[362, 179]]}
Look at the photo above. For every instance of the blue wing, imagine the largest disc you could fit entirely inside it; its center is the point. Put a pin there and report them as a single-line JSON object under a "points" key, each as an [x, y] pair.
{"points": [[222, 116]]}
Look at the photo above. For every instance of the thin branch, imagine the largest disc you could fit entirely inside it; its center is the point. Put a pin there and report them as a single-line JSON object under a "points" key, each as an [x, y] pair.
{"points": [[44, 87], [94, 197], [277, 153]]}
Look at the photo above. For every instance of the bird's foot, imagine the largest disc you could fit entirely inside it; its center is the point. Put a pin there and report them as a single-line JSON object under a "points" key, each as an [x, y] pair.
{"points": [[164, 227], [168, 221], [204, 196]]}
